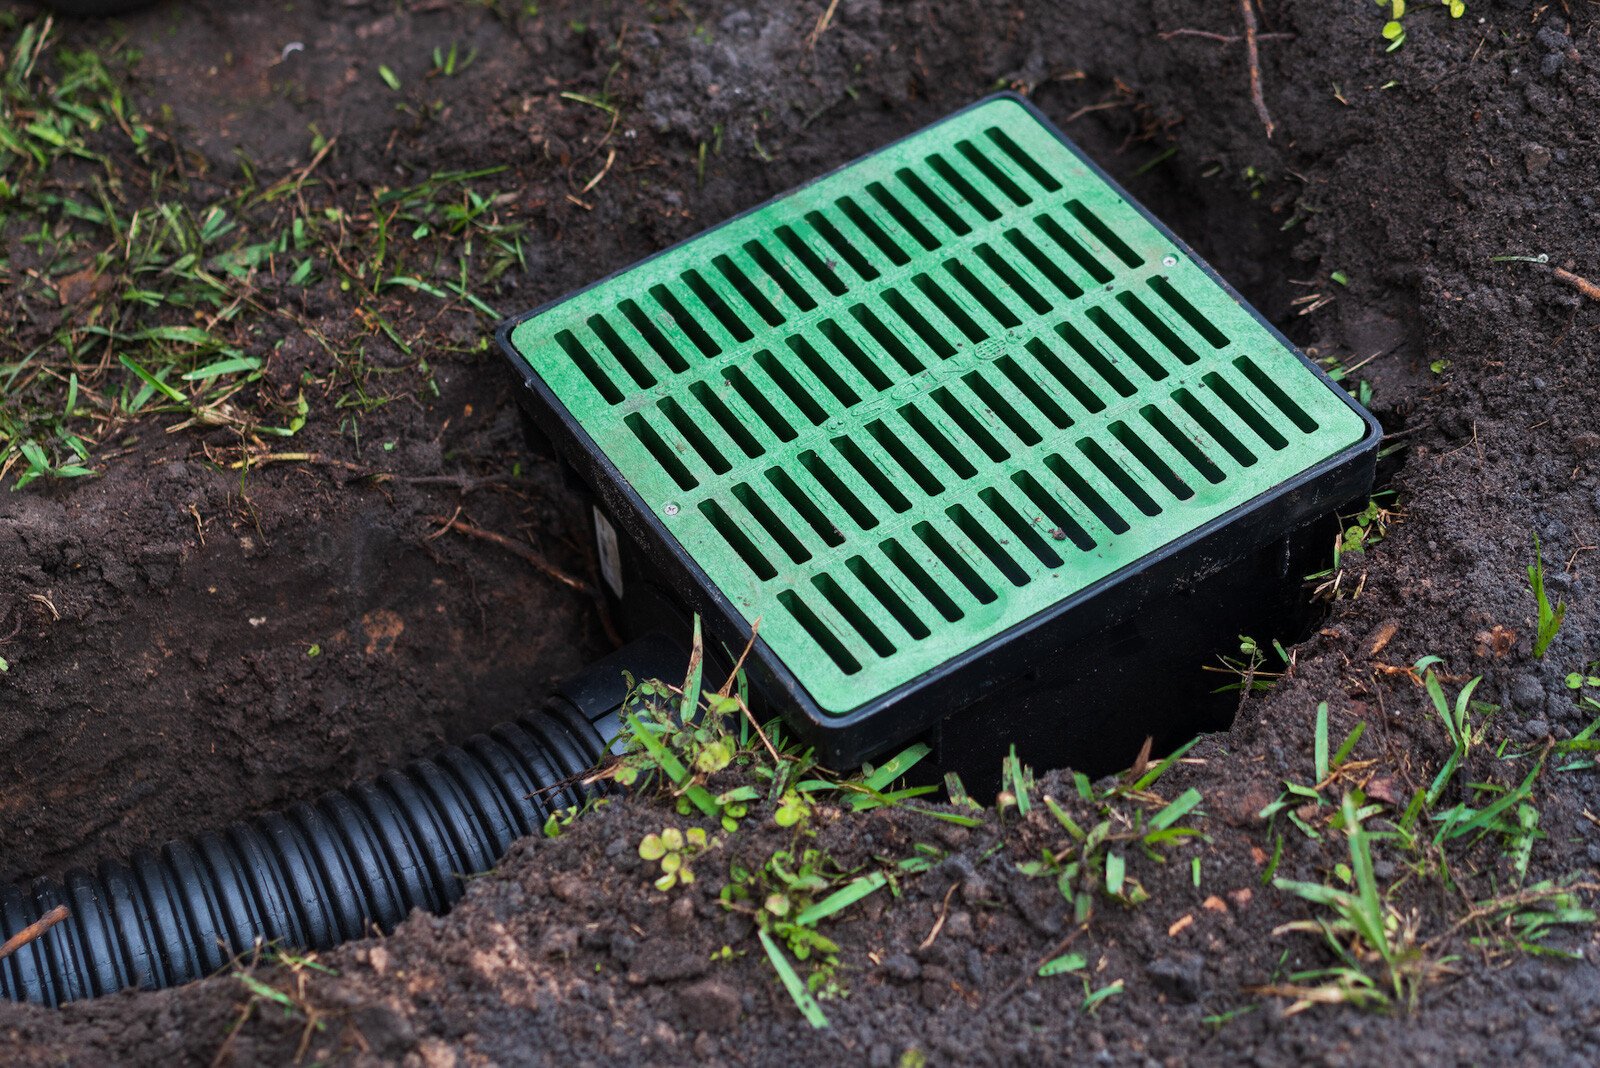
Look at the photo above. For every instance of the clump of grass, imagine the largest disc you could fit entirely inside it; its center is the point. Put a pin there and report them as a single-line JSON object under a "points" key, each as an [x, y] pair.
{"points": [[171, 293], [1361, 928], [686, 743], [1485, 837], [1129, 822]]}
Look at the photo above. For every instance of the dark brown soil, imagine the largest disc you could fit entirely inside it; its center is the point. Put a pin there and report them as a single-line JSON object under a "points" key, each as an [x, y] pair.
{"points": [[166, 683]]}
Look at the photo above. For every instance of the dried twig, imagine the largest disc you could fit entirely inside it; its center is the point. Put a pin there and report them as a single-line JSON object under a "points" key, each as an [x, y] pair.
{"points": [[510, 545], [822, 25], [34, 930], [751, 716], [738, 665], [938, 925], [1028, 976], [1254, 54], [1578, 282], [1222, 38], [611, 157]]}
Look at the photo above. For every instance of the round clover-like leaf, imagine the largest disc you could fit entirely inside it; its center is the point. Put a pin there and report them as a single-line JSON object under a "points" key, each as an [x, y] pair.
{"points": [[651, 847]]}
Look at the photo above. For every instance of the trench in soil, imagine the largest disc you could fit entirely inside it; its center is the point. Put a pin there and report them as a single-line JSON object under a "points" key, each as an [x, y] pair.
{"points": [[195, 701]]}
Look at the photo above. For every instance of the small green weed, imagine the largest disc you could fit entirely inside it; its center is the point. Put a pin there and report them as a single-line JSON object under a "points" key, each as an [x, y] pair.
{"points": [[674, 849], [1394, 30], [1550, 619], [1362, 929], [1299, 803], [1360, 532], [1128, 821], [1247, 667]]}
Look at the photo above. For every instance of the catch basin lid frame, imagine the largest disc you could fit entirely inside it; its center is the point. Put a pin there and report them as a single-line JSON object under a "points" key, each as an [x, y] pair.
{"points": [[927, 403]]}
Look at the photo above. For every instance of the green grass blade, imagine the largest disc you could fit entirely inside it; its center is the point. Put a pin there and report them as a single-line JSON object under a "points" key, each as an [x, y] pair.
{"points": [[692, 680], [1176, 810], [1067, 962], [153, 382], [1348, 746], [842, 898], [897, 766], [698, 795], [1320, 742], [793, 983]]}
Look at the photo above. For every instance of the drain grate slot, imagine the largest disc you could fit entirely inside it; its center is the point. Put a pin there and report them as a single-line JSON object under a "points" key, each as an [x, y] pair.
{"points": [[875, 583], [653, 337], [1044, 264], [1011, 278], [873, 231], [872, 473], [1245, 410], [738, 538], [1178, 303], [585, 362], [895, 446], [1074, 248], [954, 563], [1274, 393], [759, 404], [934, 203], [749, 291], [1024, 531], [824, 637], [1042, 177], [836, 488], [710, 298], [757, 506], [1034, 389], [902, 215], [804, 506], [1066, 527], [988, 546], [665, 456], [846, 346], [996, 177], [1097, 360], [624, 355], [808, 258], [849, 609], [924, 399], [800, 398], [934, 340], [1107, 236], [1185, 445], [823, 371], [935, 438], [890, 341]]}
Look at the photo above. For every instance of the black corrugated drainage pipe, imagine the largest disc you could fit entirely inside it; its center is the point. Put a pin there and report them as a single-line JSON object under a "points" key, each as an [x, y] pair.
{"points": [[351, 863]]}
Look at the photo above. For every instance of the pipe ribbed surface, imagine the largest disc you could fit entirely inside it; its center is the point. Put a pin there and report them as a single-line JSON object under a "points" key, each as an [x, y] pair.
{"points": [[315, 875]]}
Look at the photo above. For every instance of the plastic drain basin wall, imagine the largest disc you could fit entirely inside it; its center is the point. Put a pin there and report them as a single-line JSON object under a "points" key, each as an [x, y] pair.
{"points": [[917, 401], [908, 407]]}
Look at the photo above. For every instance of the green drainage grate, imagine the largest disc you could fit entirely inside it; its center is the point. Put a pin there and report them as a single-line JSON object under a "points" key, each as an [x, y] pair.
{"points": [[900, 411]]}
